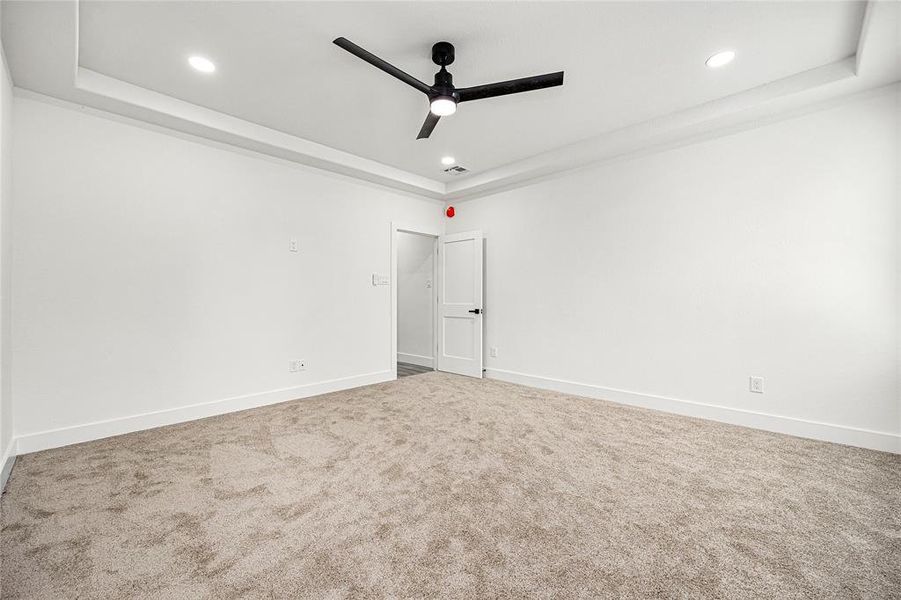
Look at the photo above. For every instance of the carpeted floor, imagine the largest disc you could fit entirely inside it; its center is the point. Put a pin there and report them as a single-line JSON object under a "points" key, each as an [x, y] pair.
{"points": [[444, 486]]}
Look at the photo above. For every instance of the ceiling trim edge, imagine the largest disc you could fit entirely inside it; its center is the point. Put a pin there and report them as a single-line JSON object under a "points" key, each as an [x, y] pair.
{"points": [[723, 128], [221, 127], [777, 96]]}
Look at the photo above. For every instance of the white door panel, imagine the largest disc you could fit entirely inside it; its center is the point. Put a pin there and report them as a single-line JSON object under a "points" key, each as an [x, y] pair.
{"points": [[459, 337], [460, 303]]}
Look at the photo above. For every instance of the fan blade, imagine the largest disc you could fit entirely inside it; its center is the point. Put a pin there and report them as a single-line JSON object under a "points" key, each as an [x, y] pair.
{"points": [[514, 86], [431, 120], [378, 63]]}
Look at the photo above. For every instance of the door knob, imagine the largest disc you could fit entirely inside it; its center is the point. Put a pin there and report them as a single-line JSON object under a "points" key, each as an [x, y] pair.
{"points": [[476, 311]]}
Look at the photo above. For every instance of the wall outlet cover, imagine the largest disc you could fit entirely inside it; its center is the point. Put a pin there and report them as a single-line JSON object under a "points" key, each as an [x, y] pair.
{"points": [[492, 352], [756, 384]]}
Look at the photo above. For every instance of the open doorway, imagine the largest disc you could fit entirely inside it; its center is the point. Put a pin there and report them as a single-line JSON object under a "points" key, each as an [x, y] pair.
{"points": [[446, 272], [416, 302]]}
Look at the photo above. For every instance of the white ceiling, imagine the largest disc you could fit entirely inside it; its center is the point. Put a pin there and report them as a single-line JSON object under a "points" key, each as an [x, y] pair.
{"points": [[635, 75], [624, 63]]}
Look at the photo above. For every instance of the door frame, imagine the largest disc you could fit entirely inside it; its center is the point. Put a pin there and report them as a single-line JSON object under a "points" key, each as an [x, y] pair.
{"points": [[392, 279]]}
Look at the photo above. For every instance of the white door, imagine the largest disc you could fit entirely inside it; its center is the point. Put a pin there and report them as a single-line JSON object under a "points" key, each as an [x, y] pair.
{"points": [[460, 303]]}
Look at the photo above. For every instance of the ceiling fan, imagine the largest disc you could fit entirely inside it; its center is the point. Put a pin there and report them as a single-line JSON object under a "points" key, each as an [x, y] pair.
{"points": [[443, 96]]}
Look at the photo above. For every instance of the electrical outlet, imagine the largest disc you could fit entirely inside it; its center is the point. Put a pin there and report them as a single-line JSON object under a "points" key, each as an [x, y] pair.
{"points": [[492, 352], [295, 366], [756, 384], [292, 246]]}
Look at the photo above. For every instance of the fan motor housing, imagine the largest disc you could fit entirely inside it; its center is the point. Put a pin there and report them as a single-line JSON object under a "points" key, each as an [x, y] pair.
{"points": [[444, 81]]}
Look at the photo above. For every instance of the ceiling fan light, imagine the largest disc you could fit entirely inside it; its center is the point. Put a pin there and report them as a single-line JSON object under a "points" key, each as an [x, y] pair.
{"points": [[443, 106]]}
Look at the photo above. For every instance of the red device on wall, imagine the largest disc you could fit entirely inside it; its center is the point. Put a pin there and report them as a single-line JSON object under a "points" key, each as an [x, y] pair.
{"points": [[450, 212]]}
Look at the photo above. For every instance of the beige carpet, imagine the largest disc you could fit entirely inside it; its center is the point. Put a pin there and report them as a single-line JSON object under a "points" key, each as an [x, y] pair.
{"points": [[443, 486]]}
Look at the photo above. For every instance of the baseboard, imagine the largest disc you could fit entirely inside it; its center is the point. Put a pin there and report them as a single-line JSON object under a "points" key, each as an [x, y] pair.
{"points": [[7, 459], [416, 359], [44, 440], [828, 432], [55, 438]]}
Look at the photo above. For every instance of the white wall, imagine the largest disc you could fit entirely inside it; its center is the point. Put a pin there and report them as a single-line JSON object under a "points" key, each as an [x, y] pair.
{"points": [[152, 273], [415, 298], [676, 276], [6, 109]]}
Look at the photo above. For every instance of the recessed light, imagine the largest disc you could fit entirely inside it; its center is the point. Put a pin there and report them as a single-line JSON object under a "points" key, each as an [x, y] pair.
{"points": [[720, 58], [204, 65], [447, 160]]}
